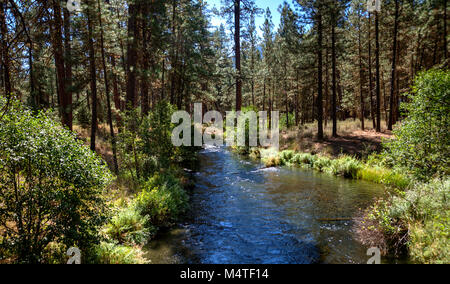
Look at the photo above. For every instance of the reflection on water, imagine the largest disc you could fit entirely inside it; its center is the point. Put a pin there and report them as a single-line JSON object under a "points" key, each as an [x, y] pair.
{"points": [[244, 214]]}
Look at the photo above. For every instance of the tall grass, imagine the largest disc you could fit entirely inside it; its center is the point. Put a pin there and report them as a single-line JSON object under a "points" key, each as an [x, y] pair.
{"points": [[418, 219], [109, 253], [345, 166]]}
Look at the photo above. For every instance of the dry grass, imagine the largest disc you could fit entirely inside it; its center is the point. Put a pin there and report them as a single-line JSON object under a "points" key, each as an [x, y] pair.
{"points": [[352, 140], [103, 144]]}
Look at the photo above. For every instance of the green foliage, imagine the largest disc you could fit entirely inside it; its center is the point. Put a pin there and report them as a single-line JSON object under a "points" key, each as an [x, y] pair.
{"points": [[286, 156], [422, 143], [344, 166], [162, 200], [422, 214], [83, 116], [303, 159], [51, 186], [322, 163], [109, 253], [156, 133], [129, 227], [245, 150], [145, 144], [283, 122]]}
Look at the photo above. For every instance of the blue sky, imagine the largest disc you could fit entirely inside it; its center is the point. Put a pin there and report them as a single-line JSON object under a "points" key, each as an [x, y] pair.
{"points": [[263, 4]]}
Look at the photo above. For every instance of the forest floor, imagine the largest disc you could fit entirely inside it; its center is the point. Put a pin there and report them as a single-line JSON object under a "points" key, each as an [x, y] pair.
{"points": [[351, 140]]}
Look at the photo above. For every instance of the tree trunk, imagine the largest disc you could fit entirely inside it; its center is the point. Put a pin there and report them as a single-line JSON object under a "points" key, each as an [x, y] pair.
{"points": [[173, 51], [297, 93], [445, 29], [334, 79], [93, 76], [286, 95], [132, 56], [361, 75], [68, 62], [372, 107], [394, 61], [264, 96], [377, 66], [237, 47], [59, 63], [320, 77], [108, 95], [145, 49], [5, 51]]}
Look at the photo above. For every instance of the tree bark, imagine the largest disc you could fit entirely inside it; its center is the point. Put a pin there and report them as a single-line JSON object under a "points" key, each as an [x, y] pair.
{"points": [[372, 107], [361, 75], [377, 75], [145, 78], [132, 56], [57, 41], [393, 70], [237, 47], [108, 95], [320, 76], [93, 76], [5, 51], [334, 79], [445, 30], [68, 63]]}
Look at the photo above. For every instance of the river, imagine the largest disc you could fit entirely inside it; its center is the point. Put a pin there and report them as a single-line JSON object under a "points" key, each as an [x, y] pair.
{"points": [[242, 213]]}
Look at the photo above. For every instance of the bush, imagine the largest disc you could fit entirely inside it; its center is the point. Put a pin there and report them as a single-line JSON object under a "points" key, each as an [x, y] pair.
{"points": [[51, 186], [422, 143], [303, 159], [145, 144], [321, 163], [163, 200], [345, 166], [286, 156], [422, 215], [108, 253], [129, 227]]}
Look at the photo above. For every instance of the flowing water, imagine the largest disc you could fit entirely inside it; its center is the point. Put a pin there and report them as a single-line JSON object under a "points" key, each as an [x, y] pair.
{"points": [[242, 213]]}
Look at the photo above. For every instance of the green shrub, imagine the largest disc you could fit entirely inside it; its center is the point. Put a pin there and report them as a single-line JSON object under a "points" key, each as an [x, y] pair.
{"points": [[304, 159], [145, 144], [430, 241], [345, 166], [321, 163], [422, 214], [286, 156], [422, 143], [108, 253], [42, 163], [129, 227], [163, 200], [83, 116]]}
